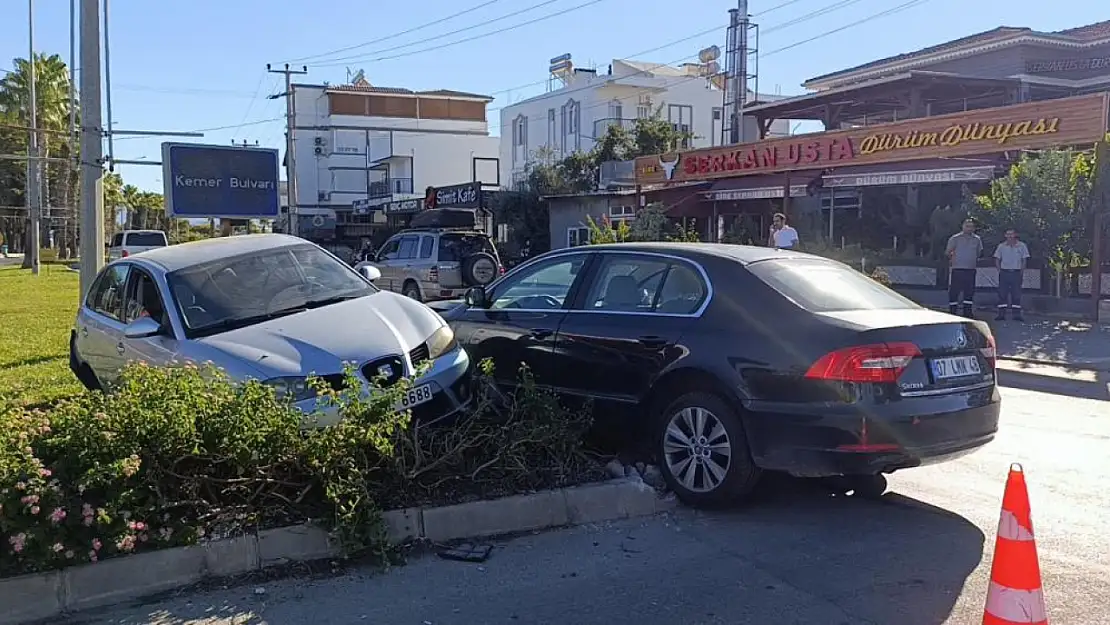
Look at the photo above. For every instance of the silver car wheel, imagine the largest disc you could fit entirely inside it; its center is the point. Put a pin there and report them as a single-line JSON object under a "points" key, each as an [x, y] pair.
{"points": [[697, 449]]}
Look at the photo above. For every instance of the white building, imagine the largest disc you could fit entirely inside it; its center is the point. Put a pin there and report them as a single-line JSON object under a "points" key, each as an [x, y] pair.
{"points": [[569, 118], [378, 145]]}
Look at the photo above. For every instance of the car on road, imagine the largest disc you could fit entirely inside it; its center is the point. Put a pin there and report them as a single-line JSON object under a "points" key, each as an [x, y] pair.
{"points": [[129, 242], [429, 264], [271, 307], [732, 360]]}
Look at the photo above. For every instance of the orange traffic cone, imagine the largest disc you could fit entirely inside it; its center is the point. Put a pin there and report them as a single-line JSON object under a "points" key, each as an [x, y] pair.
{"points": [[1015, 594]]}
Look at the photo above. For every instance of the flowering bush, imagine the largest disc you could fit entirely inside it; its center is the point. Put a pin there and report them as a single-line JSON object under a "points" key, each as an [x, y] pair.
{"points": [[170, 456]]}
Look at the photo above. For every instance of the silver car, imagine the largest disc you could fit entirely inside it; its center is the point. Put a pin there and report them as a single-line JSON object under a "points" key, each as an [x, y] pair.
{"points": [[270, 307]]}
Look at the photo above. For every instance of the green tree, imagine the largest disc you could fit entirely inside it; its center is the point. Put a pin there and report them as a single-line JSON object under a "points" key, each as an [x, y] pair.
{"points": [[1047, 198], [53, 104]]}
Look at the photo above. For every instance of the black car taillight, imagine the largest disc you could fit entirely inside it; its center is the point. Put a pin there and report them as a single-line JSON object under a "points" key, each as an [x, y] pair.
{"points": [[881, 362]]}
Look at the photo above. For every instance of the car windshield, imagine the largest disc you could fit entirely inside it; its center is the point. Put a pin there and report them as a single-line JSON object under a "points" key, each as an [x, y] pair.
{"points": [[235, 292], [146, 239], [455, 247], [825, 286]]}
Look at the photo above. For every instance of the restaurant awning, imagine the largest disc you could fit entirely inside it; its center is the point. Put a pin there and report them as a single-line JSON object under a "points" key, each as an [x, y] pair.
{"points": [[914, 172], [759, 187]]}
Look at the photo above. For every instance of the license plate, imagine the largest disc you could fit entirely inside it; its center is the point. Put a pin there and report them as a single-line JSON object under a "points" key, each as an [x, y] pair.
{"points": [[955, 367], [415, 396]]}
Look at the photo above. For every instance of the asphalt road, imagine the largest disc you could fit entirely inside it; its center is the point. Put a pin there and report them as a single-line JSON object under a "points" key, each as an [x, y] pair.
{"points": [[921, 556]]}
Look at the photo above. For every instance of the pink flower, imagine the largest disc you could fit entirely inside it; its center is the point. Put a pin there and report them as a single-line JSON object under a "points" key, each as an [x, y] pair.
{"points": [[92, 556], [127, 543], [58, 515], [29, 500], [59, 547], [35, 509], [18, 541], [86, 510], [96, 544], [137, 526], [88, 521], [45, 472]]}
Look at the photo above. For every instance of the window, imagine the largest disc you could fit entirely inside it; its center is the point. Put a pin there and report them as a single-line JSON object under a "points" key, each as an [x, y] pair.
{"points": [[643, 109], [616, 109], [117, 239], [573, 117], [544, 286], [230, 293], [143, 299], [147, 239], [456, 246], [426, 244], [521, 133], [627, 283], [681, 117], [389, 250], [824, 286], [622, 213], [683, 291], [106, 296], [408, 247], [552, 130], [578, 235]]}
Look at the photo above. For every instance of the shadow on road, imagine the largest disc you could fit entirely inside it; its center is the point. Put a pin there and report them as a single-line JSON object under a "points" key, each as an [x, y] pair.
{"points": [[1078, 383], [892, 560]]}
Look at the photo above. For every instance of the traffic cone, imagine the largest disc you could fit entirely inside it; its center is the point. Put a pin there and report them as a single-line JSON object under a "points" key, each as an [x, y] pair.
{"points": [[1015, 594]]}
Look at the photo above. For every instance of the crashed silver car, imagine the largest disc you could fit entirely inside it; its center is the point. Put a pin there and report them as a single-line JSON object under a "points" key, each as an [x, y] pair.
{"points": [[270, 307]]}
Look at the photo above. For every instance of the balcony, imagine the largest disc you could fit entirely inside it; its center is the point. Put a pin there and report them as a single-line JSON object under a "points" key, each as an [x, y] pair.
{"points": [[390, 187], [601, 126]]}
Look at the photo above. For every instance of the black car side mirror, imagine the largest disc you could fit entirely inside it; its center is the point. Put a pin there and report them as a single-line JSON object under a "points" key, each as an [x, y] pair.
{"points": [[476, 297]]}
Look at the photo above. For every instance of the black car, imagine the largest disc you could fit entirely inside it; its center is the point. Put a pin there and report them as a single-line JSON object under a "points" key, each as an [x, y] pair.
{"points": [[735, 359]]}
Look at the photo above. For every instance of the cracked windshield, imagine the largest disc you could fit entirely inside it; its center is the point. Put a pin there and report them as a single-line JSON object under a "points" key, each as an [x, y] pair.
{"points": [[567, 312]]}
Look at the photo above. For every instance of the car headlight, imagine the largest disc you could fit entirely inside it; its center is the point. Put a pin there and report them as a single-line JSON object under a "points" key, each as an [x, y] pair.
{"points": [[440, 342], [292, 387]]}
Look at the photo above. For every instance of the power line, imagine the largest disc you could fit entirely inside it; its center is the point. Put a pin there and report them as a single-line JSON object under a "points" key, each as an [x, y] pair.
{"points": [[895, 9], [216, 128], [449, 44], [394, 35]]}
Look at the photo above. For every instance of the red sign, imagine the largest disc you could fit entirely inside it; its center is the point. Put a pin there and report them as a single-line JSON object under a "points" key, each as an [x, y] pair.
{"points": [[817, 152]]}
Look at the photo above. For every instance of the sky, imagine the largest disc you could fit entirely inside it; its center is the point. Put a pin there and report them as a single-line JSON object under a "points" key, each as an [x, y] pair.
{"points": [[186, 66]]}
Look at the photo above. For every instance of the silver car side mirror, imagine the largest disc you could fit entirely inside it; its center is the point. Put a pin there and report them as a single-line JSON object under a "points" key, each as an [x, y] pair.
{"points": [[141, 328]]}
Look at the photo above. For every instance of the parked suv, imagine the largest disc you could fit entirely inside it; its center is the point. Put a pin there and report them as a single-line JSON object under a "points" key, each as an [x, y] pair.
{"points": [[437, 263], [130, 242]]}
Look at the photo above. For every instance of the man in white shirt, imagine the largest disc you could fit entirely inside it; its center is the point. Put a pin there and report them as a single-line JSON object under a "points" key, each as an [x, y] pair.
{"points": [[783, 237], [1010, 257]]}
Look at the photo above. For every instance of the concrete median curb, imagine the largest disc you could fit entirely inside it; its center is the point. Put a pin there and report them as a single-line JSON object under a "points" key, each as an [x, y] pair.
{"points": [[31, 598]]}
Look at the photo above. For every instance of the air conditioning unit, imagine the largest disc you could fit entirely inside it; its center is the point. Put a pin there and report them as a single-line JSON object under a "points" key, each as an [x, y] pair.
{"points": [[319, 141], [318, 150]]}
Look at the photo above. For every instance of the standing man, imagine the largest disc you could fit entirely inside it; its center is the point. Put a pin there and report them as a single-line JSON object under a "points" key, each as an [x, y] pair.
{"points": [[782, 237], [1010, 257], [963, 251]]}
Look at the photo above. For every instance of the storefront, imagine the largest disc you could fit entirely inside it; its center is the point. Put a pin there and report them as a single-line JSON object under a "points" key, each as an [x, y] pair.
{"points": [[922, 161]]}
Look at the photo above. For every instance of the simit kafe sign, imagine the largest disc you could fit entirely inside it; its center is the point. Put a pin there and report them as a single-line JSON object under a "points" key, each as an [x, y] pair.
{"points": [[205, 181], [467, 195]]}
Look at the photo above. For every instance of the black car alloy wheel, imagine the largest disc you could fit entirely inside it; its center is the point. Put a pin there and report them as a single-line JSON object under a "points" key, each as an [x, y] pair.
{"points": [[704, 453]]}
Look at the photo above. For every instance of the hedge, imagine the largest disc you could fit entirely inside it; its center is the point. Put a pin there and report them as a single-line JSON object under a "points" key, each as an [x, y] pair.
{"points": [[170, 456]]}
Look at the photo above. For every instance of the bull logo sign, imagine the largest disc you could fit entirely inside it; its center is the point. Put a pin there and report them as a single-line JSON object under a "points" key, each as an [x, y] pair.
{"points": [[669, 166]]}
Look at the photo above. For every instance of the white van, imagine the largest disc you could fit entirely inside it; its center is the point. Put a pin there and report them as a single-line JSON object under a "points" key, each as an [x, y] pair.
{"points": [[130, 242]]}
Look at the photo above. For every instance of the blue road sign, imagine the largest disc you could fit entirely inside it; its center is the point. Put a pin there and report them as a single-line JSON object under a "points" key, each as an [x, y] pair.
{"points": [[203, 181]]}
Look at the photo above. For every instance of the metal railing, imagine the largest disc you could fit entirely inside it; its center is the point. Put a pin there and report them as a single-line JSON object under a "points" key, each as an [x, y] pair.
{"points": [[601, 126], [390, 186]]}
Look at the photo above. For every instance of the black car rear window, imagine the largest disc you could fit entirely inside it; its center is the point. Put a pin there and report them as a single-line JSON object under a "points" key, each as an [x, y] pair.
{"points": [[146, 239], [826, 286], [455, 247]]}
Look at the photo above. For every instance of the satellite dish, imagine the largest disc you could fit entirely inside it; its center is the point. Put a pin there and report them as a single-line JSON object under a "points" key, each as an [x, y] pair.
{"points": [[712, 53]]}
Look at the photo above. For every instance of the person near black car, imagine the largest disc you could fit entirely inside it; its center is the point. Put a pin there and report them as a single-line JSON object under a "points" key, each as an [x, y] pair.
{"points": [[1010, 257], [963, 251]]}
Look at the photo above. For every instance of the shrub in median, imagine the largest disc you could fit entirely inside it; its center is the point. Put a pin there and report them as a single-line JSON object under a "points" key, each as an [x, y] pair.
{"points": [[170, 456]]}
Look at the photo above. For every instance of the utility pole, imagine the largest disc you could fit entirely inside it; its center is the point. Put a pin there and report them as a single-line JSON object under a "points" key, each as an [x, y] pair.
{"points": [[92, 189], [34, 184], [290, 156], [1101, 206]]}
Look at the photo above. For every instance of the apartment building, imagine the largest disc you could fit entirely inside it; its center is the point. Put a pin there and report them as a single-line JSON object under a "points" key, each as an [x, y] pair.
{"points": [[373, 146], [585, 103]]}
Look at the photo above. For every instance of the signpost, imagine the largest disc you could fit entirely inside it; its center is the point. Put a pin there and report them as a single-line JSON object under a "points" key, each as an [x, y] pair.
{"points": [[219, 181]]}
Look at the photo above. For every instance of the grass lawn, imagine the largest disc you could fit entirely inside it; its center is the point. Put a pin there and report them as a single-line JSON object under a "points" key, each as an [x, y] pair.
{"points": [[36, 315]]}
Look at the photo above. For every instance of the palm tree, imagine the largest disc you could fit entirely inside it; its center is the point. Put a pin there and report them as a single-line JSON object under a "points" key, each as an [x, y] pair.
{"points": [[53, 103]]}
